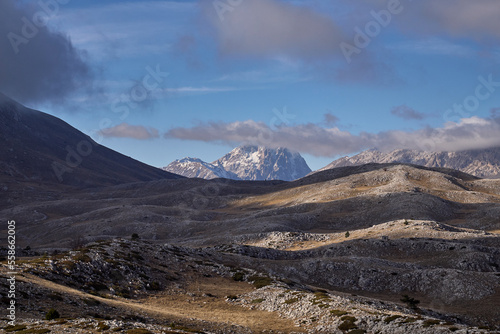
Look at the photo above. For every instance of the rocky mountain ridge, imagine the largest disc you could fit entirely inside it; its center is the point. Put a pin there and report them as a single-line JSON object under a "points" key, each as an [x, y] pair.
{"points": [[246, 163], [481, 163]]}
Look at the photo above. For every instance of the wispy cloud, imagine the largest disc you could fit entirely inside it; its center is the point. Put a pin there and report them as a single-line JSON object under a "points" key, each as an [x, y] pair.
{"points": [[125, 130], [435, 46], [201, 90], [407, 113], [127, 28], [469, 133]]}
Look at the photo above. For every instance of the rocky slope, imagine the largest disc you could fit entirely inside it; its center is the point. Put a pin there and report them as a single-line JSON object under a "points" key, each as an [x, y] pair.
{"points": [[246, 163], [482, 163], [136, 287]]}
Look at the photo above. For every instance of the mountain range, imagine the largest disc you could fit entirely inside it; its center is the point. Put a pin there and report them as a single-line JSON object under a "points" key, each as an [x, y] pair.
{"points": [[377, 248], [246, 163], [481, 163]]}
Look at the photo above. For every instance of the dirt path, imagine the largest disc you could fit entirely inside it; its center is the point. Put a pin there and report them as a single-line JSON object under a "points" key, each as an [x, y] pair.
{"points": [[181, 306]]}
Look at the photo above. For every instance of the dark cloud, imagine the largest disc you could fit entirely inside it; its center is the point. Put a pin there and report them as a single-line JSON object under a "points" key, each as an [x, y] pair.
{"points": [[495, 113], [407, 113], [125, 130], [329, 119], [38, 64], [469, 133]]}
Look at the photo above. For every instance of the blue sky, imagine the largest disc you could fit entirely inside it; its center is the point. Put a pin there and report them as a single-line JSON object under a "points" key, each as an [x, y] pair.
{"points": [[269, 72]]}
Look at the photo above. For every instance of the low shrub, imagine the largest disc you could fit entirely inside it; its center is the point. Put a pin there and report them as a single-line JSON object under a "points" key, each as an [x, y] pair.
{"points": [[258, 301], [260, 282], [338, 313], [391, 318], [431, 322], [52, 314], [238, 276], [348, 323], [291, 301]]}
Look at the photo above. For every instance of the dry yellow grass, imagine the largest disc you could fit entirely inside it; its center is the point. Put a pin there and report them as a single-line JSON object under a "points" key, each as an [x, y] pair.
{"points": [[180, 306]]}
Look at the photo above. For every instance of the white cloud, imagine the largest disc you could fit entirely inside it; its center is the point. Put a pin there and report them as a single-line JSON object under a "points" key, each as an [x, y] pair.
{"points": [[469, 133]]}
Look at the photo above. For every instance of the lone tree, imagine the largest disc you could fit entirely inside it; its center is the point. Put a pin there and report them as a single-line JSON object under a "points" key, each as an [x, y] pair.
{"points": [[410, 301]]}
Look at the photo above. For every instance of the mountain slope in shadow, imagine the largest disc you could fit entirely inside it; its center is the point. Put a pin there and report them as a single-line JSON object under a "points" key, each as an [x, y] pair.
{"points": [[41, 149]]}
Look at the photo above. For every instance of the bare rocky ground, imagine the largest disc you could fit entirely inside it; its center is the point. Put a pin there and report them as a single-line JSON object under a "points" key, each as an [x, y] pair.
{"points": [[122, 286], [330, 253]]}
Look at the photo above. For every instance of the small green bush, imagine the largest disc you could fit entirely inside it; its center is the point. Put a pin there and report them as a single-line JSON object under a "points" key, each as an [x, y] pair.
{"points": [[347, 325], [321, 295], [391, 318], [258, 301], [260, 282], [52, 314], [238, 276], [101, 327], [338, 313], [291, 301], [81, 257], [357, 331], [347, 234], [431, 322]]}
